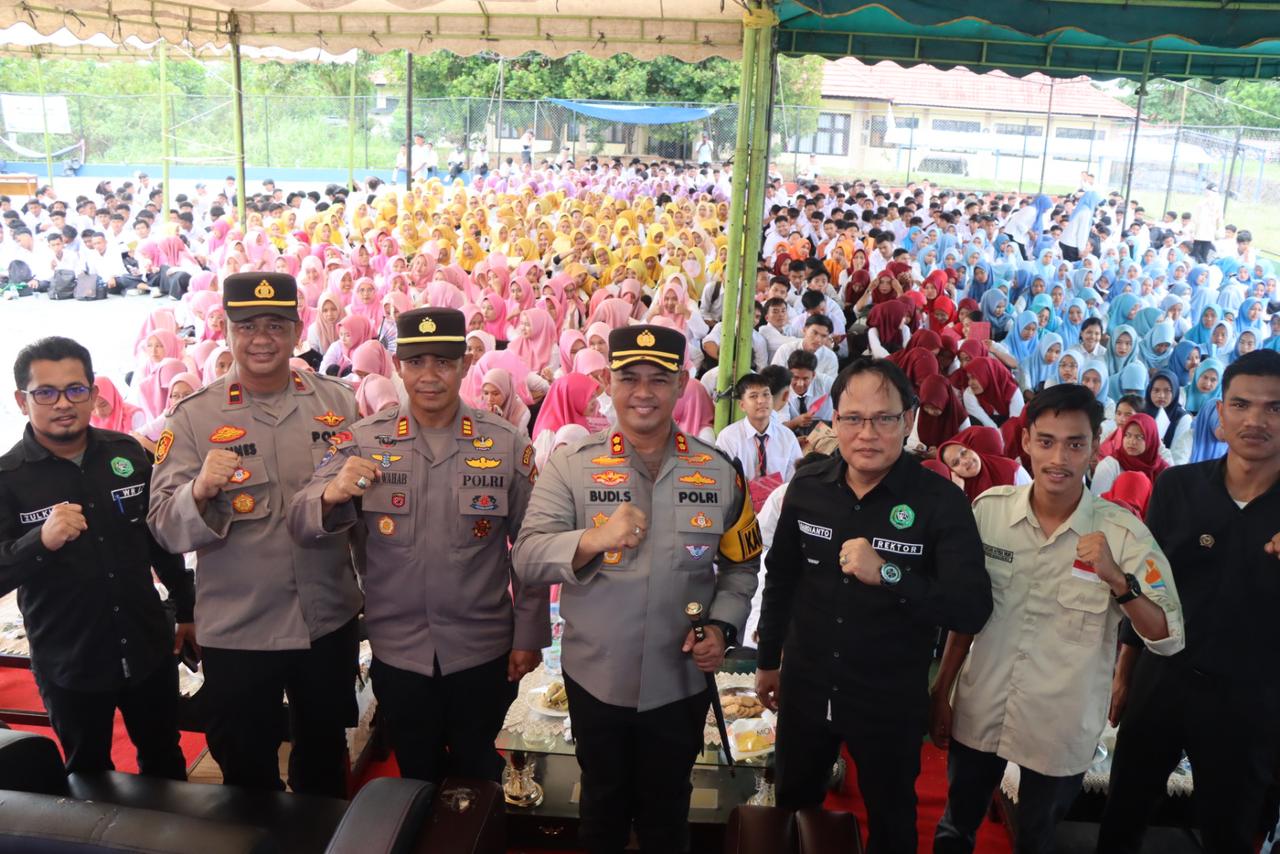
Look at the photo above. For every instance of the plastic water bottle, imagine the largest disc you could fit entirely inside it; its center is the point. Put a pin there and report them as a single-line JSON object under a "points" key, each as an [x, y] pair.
{"points": [[551, 655]]}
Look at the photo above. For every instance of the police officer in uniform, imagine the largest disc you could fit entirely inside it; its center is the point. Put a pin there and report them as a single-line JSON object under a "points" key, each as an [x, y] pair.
{"points": [[636, 523], [439, 488], [273, 616]]}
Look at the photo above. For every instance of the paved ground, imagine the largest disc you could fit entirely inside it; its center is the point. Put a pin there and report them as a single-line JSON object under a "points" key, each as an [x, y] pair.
{"points": [[107, 328]]}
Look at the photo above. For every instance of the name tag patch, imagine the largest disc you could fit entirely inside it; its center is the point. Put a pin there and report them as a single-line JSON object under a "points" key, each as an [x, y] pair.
{"points": [[36, 515], [814, 530], [994, 553], [909, 549], [132, 491]]}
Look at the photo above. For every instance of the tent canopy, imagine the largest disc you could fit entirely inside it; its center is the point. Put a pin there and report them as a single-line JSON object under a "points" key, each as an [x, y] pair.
{"points": [[21, 40], [1101, 38], [691, 30], [636, 114]]}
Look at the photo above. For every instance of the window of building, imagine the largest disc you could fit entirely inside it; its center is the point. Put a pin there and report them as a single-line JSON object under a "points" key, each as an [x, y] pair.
{"points": [[830, 137], [1019, 130], [956, 125], [1080, 133], [877, 126]]}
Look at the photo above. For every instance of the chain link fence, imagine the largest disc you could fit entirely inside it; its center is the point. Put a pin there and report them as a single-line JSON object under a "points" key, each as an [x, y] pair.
{"points": [[959, 148]]}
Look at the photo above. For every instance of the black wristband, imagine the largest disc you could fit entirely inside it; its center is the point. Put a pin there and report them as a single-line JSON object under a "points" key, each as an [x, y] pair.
{"points": [[1134, 591]]}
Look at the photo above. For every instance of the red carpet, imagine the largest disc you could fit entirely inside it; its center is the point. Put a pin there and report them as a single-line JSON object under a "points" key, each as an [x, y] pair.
{"points": [[18, 692], [931, 789]]}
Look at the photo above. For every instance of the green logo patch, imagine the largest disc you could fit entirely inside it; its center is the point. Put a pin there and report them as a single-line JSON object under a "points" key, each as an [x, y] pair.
{"points": [[121, 467], [902, 517]]}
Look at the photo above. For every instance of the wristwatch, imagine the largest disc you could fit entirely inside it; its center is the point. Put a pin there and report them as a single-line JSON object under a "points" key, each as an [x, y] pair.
{"points": [[890, 574], [729, 631], [1134, 591]]}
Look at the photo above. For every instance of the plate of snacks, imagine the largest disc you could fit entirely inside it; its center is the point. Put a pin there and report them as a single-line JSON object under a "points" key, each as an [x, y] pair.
{"points": [[752, 737], [740, 703], [549, 700]]}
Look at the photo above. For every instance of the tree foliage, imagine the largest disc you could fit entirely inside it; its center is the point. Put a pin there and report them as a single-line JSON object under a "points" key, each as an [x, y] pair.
{"points": [[1233, 102]]}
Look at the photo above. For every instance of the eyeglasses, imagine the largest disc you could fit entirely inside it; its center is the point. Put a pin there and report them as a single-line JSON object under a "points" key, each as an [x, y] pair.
{"points": [[48, 396], [879, 423]]}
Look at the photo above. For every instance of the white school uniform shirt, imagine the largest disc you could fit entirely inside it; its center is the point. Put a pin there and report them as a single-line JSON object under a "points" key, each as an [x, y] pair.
{"points": [[819, 388], [738, 440], [827, 362], [979, 415]]}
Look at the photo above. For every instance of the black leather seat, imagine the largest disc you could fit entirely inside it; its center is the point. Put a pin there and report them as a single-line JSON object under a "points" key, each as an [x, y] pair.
{"points": [[774, 830], [45, 811]]}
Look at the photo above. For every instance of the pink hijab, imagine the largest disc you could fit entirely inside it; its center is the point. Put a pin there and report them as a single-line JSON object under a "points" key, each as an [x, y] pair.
{"points": [[567, 339], [209, 370], [513, 408], [535, 350], [375, 394], [360, 330], [173, 349], [694, 410], [615, 311], [371, 309], [326, 330], [372, 358], [589, 361], [566, 403], [154, 389], [473, 382], [335, 285], [498, 326], [599, 330], [121, 416]]}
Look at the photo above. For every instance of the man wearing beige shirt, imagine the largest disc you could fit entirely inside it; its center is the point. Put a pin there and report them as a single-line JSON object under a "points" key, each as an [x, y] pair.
{"points": [[1034, 685]]}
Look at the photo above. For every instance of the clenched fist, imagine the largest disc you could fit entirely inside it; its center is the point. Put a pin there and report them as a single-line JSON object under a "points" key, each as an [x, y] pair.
{"points": [[624, 530], [64, 523], [215, 474], [1094, 550], [347, 484], [858, 559]]}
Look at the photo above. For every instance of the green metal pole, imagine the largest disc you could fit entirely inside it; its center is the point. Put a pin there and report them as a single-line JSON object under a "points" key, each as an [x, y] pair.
{"points": [[351, 127], [165, 130], [236, 84], [44, 116], [758, 170], [725, 409]]}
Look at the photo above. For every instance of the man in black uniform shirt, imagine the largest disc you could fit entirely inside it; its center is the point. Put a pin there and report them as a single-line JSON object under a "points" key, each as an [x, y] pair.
{"points": [[1218, 699], [871, 554], [74, 542]]}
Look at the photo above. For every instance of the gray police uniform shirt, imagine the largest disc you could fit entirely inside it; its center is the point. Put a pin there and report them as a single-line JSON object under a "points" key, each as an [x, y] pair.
{"points": [[256, 589], [437, 561], [624, 611]]}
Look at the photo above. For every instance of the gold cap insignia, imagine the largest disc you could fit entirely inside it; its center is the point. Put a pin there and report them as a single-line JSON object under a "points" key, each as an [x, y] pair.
{"points": [[264, 290], [427, 325], [645, 339]]}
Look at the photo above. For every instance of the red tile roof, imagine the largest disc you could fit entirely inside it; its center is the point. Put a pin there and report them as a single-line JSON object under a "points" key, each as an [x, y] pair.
{"points": [[923, 86]]}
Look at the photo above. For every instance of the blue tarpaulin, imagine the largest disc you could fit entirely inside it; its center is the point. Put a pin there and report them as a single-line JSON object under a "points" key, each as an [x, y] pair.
{"points": [[636, 114]]}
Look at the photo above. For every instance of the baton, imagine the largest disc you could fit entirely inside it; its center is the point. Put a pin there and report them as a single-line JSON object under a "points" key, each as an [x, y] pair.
{"points": [[694, 612]]}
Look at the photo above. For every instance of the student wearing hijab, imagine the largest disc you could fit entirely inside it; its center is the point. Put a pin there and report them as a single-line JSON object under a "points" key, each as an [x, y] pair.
{"points": [[1132, 491], [992, 395], [1138, 451], [353, 331], [498, 395], [1123, 349], [1156, 347], [1038, 370], [375, 394], [1205, 441], [111, 412], [976, 455], [995, 310], [535, 342], [1205, 386], [1203, 329], [1173, 422], [941, 416], [1020, 344], [570, 400]]}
